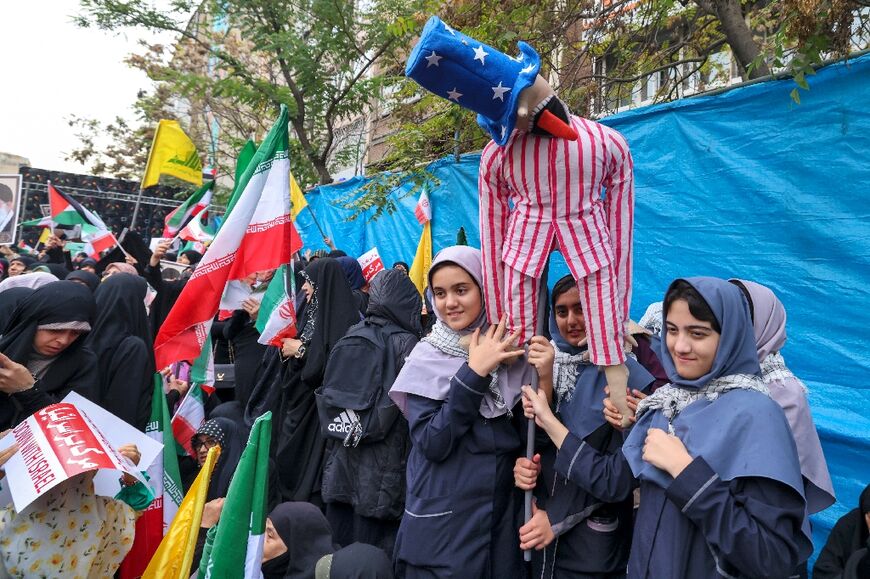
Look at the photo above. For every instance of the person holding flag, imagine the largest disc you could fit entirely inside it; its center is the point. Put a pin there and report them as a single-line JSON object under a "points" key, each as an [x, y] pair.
{"points": [[292, 373]]}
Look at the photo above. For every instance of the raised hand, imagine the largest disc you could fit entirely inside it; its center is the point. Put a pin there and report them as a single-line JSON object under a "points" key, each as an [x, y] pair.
{"points": [[486, 351]]}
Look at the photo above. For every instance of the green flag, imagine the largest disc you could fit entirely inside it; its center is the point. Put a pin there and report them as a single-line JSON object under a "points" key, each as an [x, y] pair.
{"points": [[234, 547], [244, 158], [165, 480]]}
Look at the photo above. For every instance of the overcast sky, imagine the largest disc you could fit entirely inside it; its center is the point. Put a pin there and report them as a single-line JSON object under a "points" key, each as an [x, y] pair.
{"points": [[51, 70]]}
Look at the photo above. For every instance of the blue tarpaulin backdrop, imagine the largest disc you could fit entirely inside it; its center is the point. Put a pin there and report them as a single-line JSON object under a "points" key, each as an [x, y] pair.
{"points": [[741, 184]]}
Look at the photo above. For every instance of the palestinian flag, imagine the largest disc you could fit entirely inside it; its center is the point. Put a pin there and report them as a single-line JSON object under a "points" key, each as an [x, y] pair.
{"points": [[67, 211], [181, 215], [277, 317], [166, 482], [24, 248], [191, 412], [257, 234], [234, 548]]}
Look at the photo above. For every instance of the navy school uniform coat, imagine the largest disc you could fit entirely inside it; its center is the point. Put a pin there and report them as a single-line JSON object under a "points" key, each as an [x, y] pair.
{"points": [[462, 509]]}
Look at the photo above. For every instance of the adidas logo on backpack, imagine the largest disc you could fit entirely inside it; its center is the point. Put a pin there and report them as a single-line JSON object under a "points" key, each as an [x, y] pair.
{"points": [[344, 422]]}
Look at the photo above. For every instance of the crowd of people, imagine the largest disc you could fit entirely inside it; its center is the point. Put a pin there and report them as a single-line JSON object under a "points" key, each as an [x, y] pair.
{"points": [[422, 471]]}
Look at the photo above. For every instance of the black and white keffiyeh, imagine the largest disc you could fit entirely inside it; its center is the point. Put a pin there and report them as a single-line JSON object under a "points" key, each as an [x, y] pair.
{"points": [[448, 341], [672, 400]]}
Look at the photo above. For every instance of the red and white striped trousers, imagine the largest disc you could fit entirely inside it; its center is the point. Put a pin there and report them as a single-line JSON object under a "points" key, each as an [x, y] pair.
{"points": [[605, 331]]}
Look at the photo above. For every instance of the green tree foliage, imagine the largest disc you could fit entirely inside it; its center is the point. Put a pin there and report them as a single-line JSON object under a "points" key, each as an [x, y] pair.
{"points": [[335, 61], [236, 61]]}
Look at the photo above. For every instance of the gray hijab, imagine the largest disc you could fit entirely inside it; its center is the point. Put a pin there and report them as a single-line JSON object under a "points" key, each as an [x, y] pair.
{"points": [[428, 370], [789, 392]]}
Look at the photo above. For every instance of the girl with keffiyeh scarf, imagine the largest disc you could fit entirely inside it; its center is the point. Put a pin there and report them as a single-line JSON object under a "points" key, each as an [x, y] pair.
{"points": [[713, 455], [461, 511], [581, 536]]}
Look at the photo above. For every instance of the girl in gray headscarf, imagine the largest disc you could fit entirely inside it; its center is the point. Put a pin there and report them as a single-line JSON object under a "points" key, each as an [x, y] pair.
{"points": [[459, 398]]}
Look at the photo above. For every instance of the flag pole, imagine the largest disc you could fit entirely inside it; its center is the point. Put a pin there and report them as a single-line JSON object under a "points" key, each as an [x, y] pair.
{"points": [[530, 434], [314, 217], [141, 189]]}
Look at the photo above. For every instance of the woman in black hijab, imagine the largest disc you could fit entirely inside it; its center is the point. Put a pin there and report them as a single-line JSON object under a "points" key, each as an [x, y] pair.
{"points": [[221, 432], [292, 373], [297, 536], [84, 277], [9, 301], [189, 257], [356, 561], [44, 355], [121, 339], [18, 265]]}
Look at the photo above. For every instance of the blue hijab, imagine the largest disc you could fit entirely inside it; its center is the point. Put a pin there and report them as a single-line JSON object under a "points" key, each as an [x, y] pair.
{"points": [[583, 414], [737, 353], [353, 272], [742, 433]]}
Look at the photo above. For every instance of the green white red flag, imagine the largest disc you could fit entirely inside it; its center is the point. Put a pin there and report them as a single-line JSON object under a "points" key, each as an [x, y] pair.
{"points": [[196, 230], [191, 412], [234, 548], [257, 234], [277, 318], [165, 479], [196, 203]]}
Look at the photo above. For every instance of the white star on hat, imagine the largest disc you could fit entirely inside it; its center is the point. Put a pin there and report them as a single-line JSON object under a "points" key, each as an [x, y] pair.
{"points": [[448, 28], [498, 91], [528, 69], [433, 59], [454, 94], [480, 54], [503, 131]]}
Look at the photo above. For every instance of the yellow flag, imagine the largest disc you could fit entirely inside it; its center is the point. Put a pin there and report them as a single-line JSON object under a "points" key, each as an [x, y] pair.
{"points": [[172, 153], [297, 199], [174, 556], [419, 273], [46, 234]]}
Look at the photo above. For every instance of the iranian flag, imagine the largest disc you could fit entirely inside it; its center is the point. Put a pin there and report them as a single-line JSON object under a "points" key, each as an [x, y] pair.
{"points": [[191, 412], [256, 234], [196, 203], [234, 548], [196, 231], [277, 318], [165, 480]]}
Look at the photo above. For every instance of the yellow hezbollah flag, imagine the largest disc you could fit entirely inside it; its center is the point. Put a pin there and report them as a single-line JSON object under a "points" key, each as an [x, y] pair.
{"points": [[174, 556], [419, 273], [172, 153], [44, 237], [297, 199]]}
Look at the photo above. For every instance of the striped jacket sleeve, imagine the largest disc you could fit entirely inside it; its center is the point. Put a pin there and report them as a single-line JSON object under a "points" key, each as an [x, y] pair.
{"points": [[493, 224], [619, 206]]}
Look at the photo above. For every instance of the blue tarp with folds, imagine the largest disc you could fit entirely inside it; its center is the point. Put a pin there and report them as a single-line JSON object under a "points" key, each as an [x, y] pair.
{"points": [[741, 184]]}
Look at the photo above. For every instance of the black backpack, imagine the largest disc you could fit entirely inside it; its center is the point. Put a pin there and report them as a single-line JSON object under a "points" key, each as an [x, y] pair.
{"points": [[353, 403]]}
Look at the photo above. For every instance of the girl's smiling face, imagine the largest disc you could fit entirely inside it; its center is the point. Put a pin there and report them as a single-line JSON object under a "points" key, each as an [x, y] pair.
{"points": [[457, 297], [691, 342]]}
